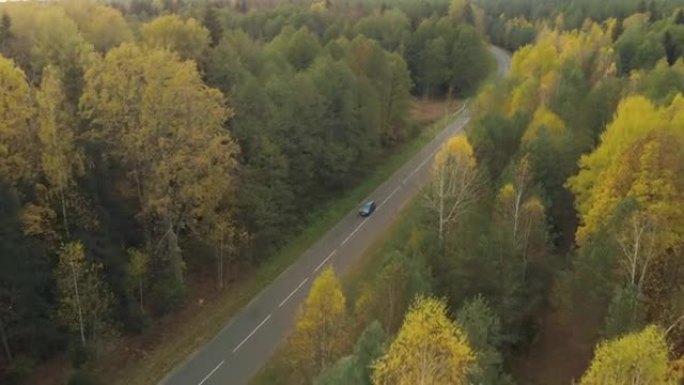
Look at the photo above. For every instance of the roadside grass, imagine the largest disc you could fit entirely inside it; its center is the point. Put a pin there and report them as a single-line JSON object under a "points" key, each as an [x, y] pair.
{"points": [[362, 272], [176, 343]]}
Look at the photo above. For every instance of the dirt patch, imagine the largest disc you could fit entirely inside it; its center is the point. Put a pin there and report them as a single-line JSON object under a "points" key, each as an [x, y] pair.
{"points": [[559, 356], [428, 111]]}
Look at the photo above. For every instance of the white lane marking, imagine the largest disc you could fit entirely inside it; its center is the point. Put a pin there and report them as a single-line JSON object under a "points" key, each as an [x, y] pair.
{"points": [[325, 260], [293, 291], [423, 163], [252, 333], [353, 232], [390, 196], [212, 372]]}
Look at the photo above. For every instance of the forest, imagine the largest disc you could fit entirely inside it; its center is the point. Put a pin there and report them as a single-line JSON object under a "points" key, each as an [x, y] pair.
{"points": [[548, 246], [147, 147]]}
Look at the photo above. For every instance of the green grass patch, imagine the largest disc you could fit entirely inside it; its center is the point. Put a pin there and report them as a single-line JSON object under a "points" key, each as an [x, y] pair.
{"points": [[208, 320]]}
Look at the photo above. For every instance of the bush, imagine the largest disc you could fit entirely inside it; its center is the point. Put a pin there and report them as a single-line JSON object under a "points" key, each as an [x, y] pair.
{"points": [[136, 321], [82, 377], [167, 296], [19, 370], [79, 354]]}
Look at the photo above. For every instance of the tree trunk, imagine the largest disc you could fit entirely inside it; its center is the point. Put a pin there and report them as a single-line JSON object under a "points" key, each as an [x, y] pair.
{"points": [[140, 293], [78, 305], [64, 212], [5, 342], [220, 262], [146, 230]]}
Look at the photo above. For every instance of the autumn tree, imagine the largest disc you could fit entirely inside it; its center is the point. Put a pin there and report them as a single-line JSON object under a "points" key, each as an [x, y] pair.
{"points": [[47, 36], [138, 270], [429, 349], [84, 299], [165, 126], [186, 37], [61, 159], [102, 26], [632, 181], [638, 358], [319, 335], [454, 185], [17, 158]]}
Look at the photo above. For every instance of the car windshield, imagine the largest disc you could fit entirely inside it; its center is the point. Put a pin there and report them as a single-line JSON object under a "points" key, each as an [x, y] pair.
{"points": [[367, 205]]}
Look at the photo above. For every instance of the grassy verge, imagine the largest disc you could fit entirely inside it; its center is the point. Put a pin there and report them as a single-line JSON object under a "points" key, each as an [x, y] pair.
{"points": [[362, 272], [207, 320]]}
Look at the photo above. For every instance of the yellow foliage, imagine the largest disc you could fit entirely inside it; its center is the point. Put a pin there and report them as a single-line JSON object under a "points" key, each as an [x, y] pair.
{"points": [[535, 68], [319, 335], [318, 7], [506, 195], [640, 157], [638, 358], [429, 349], [544, 117], [186, 37], [635, 21], [17, 155], [457, 149]]}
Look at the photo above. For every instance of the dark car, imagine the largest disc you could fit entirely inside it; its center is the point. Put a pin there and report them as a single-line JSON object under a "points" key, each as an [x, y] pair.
{"points": [[367, 209]]}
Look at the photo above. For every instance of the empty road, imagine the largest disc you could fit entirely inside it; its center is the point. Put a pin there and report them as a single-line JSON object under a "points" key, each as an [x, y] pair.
{"points": [[247, 342]]}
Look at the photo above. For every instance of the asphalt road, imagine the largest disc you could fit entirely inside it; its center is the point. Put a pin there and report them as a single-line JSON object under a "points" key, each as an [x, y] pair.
{"points": [[250, 338]]}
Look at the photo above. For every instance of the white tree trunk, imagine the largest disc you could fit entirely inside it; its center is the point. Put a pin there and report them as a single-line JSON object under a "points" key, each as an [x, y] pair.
{"points": [[78, 305], [5, 341]]}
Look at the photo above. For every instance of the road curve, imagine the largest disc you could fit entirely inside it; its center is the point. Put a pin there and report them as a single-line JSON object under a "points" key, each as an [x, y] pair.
{"points": [[250, 338]]}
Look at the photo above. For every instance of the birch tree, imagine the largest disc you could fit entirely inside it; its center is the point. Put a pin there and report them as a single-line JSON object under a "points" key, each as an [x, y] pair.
{"points": [[319, 334], [61, 160], [429, 349], [138, 269], [165, 126], [17, 158], [84, 300], [635, 359], [454, 185]]}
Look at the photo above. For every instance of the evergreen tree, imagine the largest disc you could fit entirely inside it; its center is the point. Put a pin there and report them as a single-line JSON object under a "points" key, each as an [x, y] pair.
{"points": [[212, 23]]}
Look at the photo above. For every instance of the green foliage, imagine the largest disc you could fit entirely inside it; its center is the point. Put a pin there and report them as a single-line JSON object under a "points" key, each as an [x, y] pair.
{"points": [[496, 139], [84, 299], [147, 137], [625, 312], [356, 368], [82, 377], [483, 328]]}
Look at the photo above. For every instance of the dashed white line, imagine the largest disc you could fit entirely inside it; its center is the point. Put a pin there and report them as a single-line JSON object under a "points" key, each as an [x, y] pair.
{"points": [[252, 333], [353, 232], [390, 196], [422, 163], [325, 260], [293, 291], [212, 372]]}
